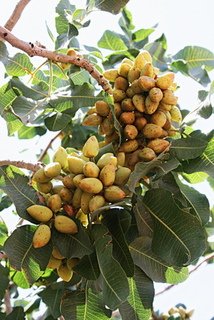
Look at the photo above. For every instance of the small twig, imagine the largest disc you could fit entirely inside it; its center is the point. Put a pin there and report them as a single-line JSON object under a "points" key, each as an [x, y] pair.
{"points": [[15, 16], [37, 50], [21, 164], [209, 257], [7, 302], [48, 146]]}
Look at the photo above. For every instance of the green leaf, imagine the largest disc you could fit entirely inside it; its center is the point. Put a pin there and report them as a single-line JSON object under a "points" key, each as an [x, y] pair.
{"points": [[115, 283], [113, 220], [31, 92], [144, 168], [196, 177], [73, 246], [52, 296], [204, 163], [112, 41], [198, 201], [80, 77], [63, 6], [157, 51], [3, 233], [141, 34], [26, 109], [19, 65], [156, 268], [187, 148], [58, 121], [111, 6], [195, 56], [26, 132], [19, 278], [16, 314], [16, 185], [194, 61], [206, 110], [4, 274], [82, 305], [88, 267], [61, 24], [6, 99], [139, 303], [23, 256], [178, 237], [3, 52]]}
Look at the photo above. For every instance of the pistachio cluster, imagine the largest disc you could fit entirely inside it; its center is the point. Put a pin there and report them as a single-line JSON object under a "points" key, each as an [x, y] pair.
{"points": [[145, 106], [74, 185]]}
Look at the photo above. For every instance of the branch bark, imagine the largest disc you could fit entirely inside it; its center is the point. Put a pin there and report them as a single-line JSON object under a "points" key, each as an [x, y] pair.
{"points": [[21, 164], [37, 50], [15, 16]]}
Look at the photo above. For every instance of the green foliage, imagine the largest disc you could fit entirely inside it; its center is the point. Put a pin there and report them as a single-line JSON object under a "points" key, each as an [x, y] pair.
{"points": [[156, 232]]}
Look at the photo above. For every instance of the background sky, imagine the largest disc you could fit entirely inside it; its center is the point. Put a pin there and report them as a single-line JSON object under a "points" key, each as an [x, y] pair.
{"points": [[183, 23]]}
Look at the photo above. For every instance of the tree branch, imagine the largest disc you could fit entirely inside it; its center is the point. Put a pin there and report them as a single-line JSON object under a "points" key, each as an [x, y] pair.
{"points": [[15, 16], [7, 302], [206, 260], [48, 146], [21, 164], [37, 50]]}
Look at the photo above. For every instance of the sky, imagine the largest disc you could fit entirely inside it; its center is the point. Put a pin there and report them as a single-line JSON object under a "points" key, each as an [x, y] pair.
{"points": [[185, 22]]}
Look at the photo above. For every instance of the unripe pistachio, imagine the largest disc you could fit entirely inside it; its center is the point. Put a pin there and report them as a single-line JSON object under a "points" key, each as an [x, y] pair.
{"points": [[76, 201], [65, 272], [54, 202], [107, 175], [176, 114], [130, 132], [129, 146], [159, 118], [165, 81], [102, 108], [122, 175], [53, 263], [40, 176], [155, 94], [60, 156], [66, 195], [152, 131], [92, 120], [96, 202], [127, 118], [114, 194], [91, 185], [110, 74], [44, 187], [85, 198], [139, 102], [146, 83], [121, 83], [41, 236], [64, 224], [91, 147], [56, 253], [150, 106], [106, 159], [147, 154], [40, 213], [52, 169], [75, 164]]}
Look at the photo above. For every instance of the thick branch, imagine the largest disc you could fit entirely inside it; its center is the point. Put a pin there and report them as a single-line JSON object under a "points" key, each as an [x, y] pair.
{"points": [[15, 16], [35, 50], [21, 164]]}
